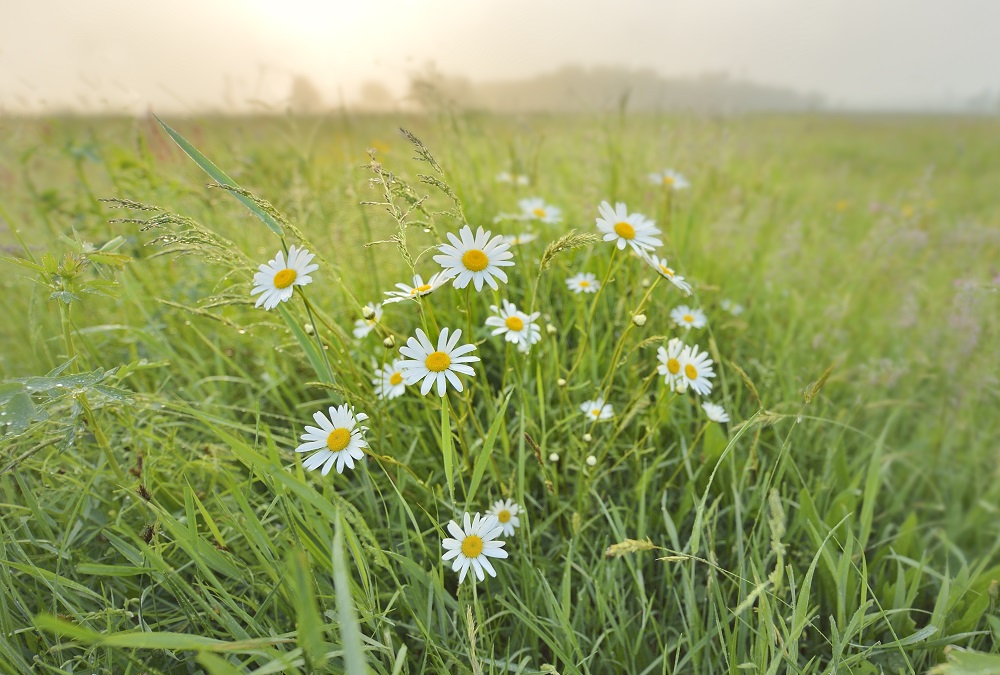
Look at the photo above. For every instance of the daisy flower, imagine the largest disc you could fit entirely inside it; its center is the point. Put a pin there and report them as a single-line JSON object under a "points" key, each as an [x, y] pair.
{"points": [[624, 228], [536, 209], [696, 370], [473, 545], [338, 439], [715, 412], [516, 178], [362, 327], [584, 282], [475, 258], [388, 380], [670, 179], [688, 318], [660, 265], [506, 514], [671, 358], [515, 326], [436, 365], [732, 307], [417, 290], [276, 281], [597, 409], [516, 239]]}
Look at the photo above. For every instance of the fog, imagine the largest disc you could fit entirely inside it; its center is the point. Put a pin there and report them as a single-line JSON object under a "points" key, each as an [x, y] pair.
{"points": [[245, 55]]}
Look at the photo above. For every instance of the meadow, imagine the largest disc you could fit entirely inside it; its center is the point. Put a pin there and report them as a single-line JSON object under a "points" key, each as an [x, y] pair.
{"points": [[156, 517]]}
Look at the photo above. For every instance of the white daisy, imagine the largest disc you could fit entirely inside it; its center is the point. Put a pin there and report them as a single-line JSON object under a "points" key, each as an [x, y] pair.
{"points": [[515, 326], [624, 228], [436, 365], [338, 439], [584, 282], [473, 545], [670, 179], [506, 513], [660, 265], [475, 258], [388, 380], [417, 290], [517, 239], [362, 327], [715, 412], [696, 370], [732, 307], [517, 178], [687, 318], [597, 409], [276, 281], [536, 209], [671, 358]]}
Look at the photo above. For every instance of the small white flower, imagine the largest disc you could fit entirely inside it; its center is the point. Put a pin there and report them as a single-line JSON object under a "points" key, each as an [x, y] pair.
{"points": [[696, 370], [506, 513], [688, 318], [516, 326], [338, 440], [553, 457], [584, 282], [733, 308], [591, 460], [671, 362], [670, 179], [660, 265], [537, 209], [505, 177], [388, 380], [627, 229], [418, 289], [436, 365], [362, 327], [518, 239], [639, 320], [475, 258], [597, 409], [715, 412], [473, 545], [276, 281], [587, 438], [516, 178]]}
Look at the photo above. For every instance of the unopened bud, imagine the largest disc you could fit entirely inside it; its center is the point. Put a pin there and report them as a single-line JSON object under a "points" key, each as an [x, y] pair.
{"points": [[308, 328], [639, 319], [551, 329], [994, 590], [368, 312], [645, 283], [389, 342], [561, 382], [554, 457], [587, 438], [591, 460]]}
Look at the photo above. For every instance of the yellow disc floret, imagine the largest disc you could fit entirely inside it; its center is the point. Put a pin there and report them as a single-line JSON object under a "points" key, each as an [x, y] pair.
{"points": [[691, 372], [475, 260], [472, 546], [395, 378], [539, 212], [688, 318], [437, 362], [514, 323], [504, 516], [673, 366], [284, 278], [625, 230], [338, 439]]}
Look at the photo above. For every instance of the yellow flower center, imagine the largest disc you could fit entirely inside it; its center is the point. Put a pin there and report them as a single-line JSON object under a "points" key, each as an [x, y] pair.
{"points": [[284, 278], [625, 230], [475, 260], [472, 546], [666, 271], [668, 180], [514, 323], [539, 212], [584, 284], [395, 378], [504, 516], [437, 362], [688, 318], [422, 289], [691, 372], [674, 366], [595, 412], [338, 439]]}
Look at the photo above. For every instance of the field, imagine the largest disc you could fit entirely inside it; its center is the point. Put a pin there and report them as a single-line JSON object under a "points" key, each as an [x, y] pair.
{"points": [[155, 515]]}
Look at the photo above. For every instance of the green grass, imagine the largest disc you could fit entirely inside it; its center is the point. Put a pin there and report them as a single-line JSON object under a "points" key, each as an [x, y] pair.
{"points": [[155, 518]]}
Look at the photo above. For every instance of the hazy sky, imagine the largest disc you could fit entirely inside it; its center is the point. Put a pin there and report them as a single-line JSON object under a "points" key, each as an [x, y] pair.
{"points": [[185, 54]]}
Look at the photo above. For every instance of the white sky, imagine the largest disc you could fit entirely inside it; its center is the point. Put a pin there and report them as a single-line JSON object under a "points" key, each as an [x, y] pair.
{"points": [[188, 54]]}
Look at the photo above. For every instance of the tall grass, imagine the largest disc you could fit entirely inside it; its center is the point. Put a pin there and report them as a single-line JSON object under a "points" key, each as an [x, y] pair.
{"points": [[156, 519]]}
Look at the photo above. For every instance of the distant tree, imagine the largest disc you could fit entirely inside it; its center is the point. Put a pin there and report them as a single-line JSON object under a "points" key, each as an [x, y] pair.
{"points": [[304, 98], [375, 97]]}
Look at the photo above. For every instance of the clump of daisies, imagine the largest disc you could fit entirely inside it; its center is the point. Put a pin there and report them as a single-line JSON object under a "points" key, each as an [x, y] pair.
{"points": [[337, 440], [473, 544], [276, 281], [516, 326]]}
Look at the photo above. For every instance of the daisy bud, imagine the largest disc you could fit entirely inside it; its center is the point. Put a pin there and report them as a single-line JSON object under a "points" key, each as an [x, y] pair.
{"points": [[554, 457], [368, 312], [561, 382], [645, 283], [551, 329], [308, 328], [591, 460], [389, 342], [587, 438], [639, 319]]}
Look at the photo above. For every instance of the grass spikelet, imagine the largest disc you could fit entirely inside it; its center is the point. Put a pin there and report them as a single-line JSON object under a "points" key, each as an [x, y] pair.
{"points": [[568, 242], [629, 546]]}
